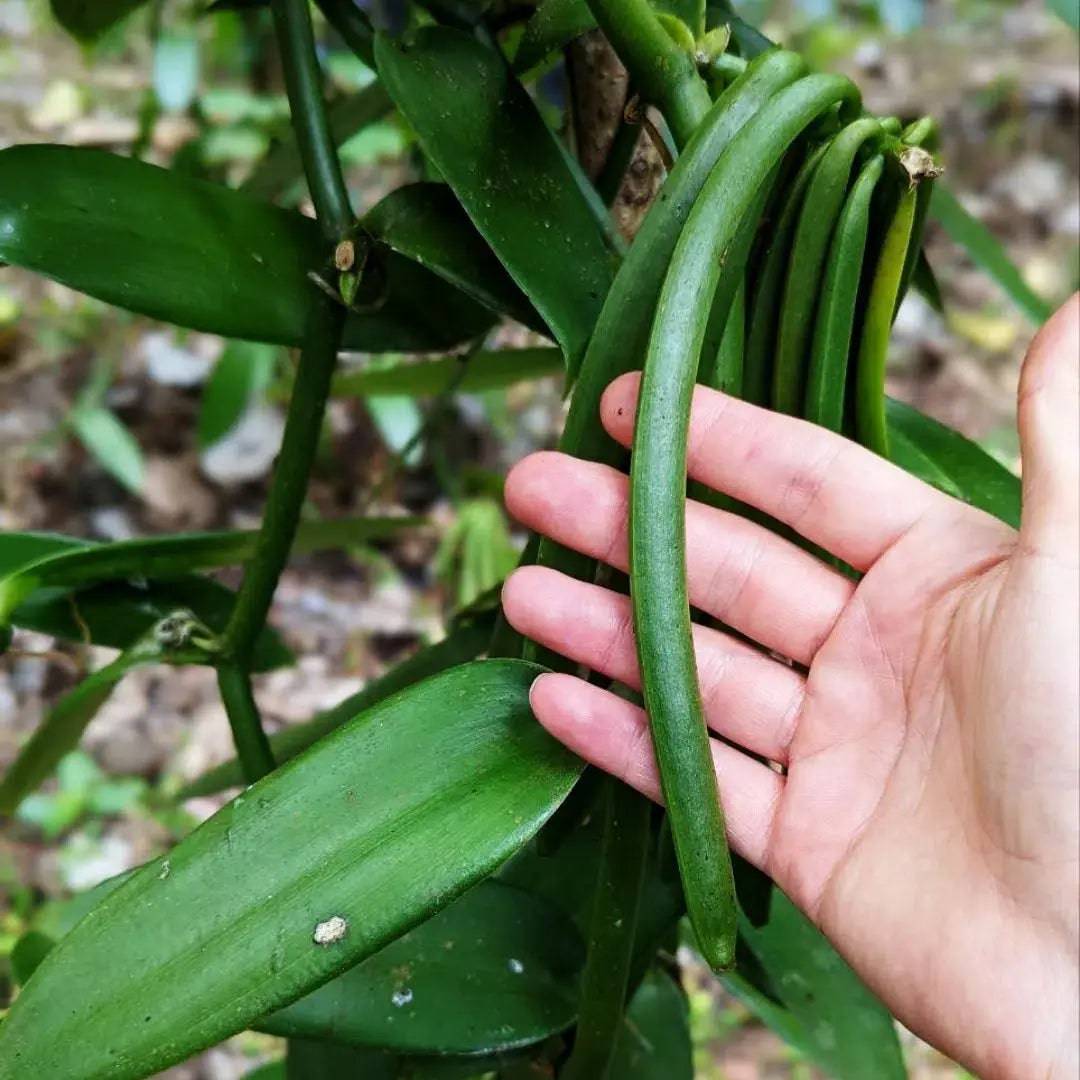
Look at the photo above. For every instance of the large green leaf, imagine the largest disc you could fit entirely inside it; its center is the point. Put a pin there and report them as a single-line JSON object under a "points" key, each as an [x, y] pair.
{"points": [[310, 871], [483, 133], [88, 19], [986, 252], [798, 984], [496, 970], [654, 1042], [943, 457], [464, 642], [118, 613], [425, 223], [74, 564], [199, 255], [482, 371]]}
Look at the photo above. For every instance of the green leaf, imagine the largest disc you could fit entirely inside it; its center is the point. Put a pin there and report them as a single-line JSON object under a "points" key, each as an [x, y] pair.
{"points": [[986, 252], [75, 564], [64, 725], [111, 444], [943, 457], [425, 223], [464, 642], [199, 255], [89, 19], [554, 24], [654, 1043], [798, 984], [241, 374], [483, 371], [314, 868], [496, 970], [483, 133], [119, 613]]}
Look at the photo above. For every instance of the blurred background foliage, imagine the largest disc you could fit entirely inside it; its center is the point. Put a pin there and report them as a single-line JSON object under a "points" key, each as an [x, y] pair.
{"points": [[112, 426]]}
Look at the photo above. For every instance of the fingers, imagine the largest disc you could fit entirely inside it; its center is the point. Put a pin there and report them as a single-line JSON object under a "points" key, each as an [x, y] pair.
{"points": [[748, 698], [1047, 413], [743, 575], [844, 498], [614, 735]]}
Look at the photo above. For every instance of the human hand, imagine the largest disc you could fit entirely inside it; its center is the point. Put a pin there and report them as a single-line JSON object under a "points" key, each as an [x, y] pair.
{"points": [[927, 819]]}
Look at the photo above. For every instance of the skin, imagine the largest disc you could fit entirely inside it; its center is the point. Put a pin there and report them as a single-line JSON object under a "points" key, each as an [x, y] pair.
{"points": [[927, 820]]}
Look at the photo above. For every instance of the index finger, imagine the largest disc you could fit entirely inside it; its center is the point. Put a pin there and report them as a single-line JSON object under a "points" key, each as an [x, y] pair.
{"points": [[833, 492]]}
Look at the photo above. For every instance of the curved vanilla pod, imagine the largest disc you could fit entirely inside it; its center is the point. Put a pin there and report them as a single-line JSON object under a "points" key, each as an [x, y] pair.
{"points": [[658, 503], [821, 207], [619, 338], [763, 302], [835, 321]]}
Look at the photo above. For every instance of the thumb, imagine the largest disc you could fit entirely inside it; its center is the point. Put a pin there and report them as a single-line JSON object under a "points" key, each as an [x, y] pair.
{"points": [[1048, 415]]}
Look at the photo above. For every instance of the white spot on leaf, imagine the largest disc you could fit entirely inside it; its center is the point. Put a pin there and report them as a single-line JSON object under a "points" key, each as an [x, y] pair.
{"points": [[330, 931]]}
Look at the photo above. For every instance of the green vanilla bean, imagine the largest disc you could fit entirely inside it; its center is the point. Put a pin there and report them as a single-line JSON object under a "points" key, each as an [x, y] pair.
{"points": [[663, 72], [835, 322], [764, 303], [871, 425], [612, 931], [618, 341], [658, 503], [727, 374], [824, 198]]}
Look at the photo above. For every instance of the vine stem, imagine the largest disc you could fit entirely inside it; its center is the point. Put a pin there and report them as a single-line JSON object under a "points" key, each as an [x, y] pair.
{"points": [[307, 406], [662, 72], [303, 83]]}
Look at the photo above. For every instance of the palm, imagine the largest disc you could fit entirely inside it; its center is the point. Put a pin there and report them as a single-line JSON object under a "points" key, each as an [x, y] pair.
{"points": [[927, 816]]}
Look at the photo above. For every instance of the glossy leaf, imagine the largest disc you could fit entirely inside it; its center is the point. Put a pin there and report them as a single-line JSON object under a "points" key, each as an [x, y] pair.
{"points": [[425, 223], [89, 19], [82, 563], [463, 643], [110, 443], [483, 133], [799, 985], [496, 970], [986, 252], [118, 613], [654, 1043], [313, 869], [242, 372], [199, 255], [483, 371], [945, 458]]}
